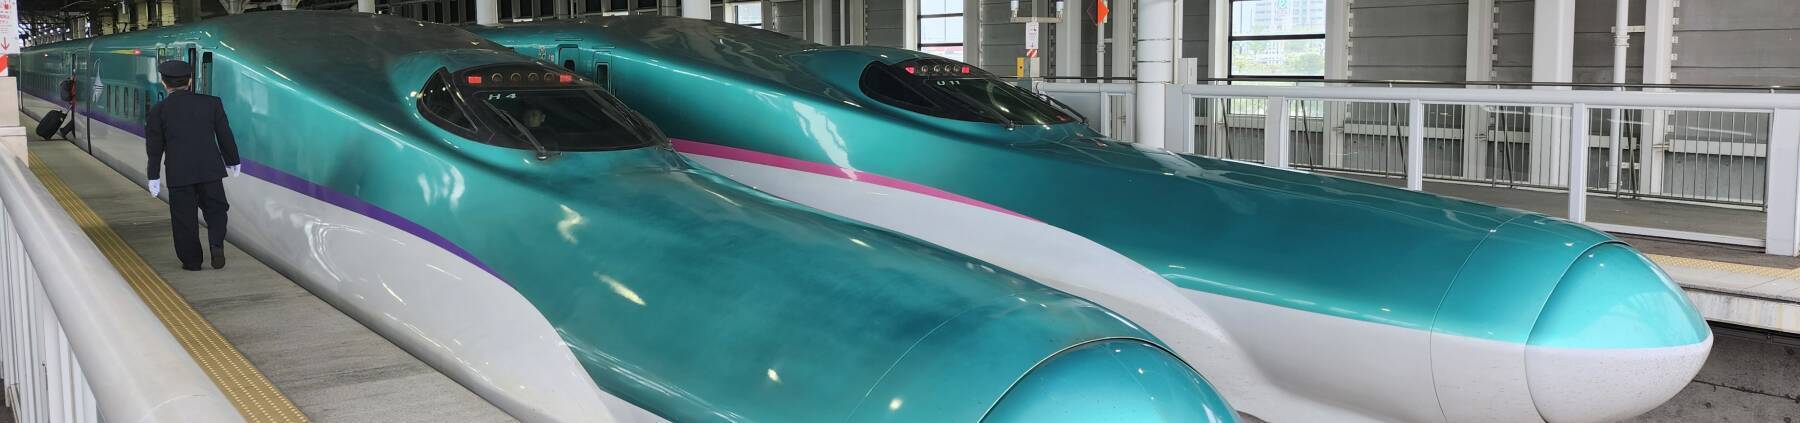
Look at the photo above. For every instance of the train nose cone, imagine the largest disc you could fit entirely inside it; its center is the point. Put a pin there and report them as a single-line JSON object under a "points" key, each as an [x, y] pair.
{"points": [[1616, 339], [1111, 381]]}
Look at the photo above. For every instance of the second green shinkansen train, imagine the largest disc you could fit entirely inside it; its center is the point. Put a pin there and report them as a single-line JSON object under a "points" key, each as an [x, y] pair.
{"points": [[517, 228], [1303, 297]]}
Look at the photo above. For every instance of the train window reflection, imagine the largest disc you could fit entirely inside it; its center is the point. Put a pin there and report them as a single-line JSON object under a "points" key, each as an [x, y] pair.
{"points": [[883, 85], [439, 101], [999, 97], [962, 96], [564, 120]]}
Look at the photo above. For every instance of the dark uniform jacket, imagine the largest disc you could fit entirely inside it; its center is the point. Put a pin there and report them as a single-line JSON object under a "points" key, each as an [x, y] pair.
{"points": [[184, 126]]}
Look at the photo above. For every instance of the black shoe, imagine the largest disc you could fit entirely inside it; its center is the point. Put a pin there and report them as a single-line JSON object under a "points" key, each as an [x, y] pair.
{"points": [[191, 268], [218, 257]]}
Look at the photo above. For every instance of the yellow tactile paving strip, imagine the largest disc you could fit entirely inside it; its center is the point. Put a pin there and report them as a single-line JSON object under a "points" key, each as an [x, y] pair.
{"points": [[248, 389], [1772, 272]]}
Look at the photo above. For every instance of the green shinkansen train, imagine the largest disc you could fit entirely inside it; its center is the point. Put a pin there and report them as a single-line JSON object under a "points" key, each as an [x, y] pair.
{"points": [[522, 231], [1303, 297]]}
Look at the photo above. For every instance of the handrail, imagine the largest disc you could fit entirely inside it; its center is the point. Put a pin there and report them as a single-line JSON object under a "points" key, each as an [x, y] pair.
{"points": [[139, 372], [1392, 82], [1090, 78], [1080, 87], [1672, 100]]}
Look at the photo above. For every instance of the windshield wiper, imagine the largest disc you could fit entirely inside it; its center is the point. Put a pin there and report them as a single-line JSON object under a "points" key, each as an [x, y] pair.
{"points": [[1059, 104], [989, 109], [542, 153]]}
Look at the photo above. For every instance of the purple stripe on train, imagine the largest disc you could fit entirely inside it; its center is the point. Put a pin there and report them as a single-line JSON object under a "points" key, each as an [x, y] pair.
{"points": [[319, 192]]}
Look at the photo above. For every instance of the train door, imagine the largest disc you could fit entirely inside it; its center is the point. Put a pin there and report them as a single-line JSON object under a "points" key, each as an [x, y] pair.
{"points": [[88, 90], [201, 59], [594, 64]]}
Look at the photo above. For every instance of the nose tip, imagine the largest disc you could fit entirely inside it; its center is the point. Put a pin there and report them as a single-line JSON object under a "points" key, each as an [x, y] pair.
{"points": [[1616, 338], [1112, 381]]}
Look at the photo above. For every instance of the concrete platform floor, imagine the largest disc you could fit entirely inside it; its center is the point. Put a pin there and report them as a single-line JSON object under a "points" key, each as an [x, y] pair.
{"points": [[333, 368], [1751, 376]]}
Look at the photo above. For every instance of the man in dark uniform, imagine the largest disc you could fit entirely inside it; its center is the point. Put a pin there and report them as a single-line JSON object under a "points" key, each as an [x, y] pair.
{"points": [[191, 130]]}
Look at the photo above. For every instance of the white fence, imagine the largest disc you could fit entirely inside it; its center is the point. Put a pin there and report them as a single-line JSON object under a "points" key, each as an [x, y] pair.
{"points": [[1106, 106], [1737, 153], [77, 344]]}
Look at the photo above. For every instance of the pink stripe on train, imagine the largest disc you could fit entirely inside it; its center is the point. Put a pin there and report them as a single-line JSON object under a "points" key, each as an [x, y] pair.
{"points": [[766, 159]]}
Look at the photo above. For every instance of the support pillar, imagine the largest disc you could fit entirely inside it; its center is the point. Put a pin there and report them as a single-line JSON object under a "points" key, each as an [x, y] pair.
{"points": [[1478, 66], [487, 12], [1337, 66], [289, 4], [234, 7], [1782, 233], [856, 21], [166, 13], [1121, 23], [697, 9], [909, 25], [822, 15], [1158, 44], [78, 28], [1659, 46], [140, 15], [1218, 65], [365, 6], [1068, 39], [1552, 60]]}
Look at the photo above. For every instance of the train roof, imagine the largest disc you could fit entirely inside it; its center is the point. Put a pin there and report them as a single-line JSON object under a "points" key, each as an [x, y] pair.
{"points": [[364, 58]]}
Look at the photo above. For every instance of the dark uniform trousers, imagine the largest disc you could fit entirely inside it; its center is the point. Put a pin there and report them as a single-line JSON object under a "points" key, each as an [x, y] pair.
{"points": [[189, 135], [209, 198]]}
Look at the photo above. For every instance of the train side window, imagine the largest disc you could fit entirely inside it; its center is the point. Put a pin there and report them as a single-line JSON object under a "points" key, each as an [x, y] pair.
{"points": [[569, 64], [601, 72], [204, 83], [440, 103]]}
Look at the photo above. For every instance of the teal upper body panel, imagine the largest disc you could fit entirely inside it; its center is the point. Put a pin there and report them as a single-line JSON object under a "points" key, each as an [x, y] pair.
{"points": [[1126, 382], [1290, 238], [1654, 312], [680, 291]]}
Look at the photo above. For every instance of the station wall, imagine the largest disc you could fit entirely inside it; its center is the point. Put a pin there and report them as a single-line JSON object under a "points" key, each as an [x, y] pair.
{"points": [[1717, 41]]}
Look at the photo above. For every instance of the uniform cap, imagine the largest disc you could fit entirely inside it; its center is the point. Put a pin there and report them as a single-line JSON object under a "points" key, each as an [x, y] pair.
{"points": [[175, 68]]}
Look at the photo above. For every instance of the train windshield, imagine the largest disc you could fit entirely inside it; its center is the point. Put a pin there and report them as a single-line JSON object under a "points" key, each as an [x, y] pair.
{"points": [[999, 98], [561, 120], [530, 106], [954, 90]]}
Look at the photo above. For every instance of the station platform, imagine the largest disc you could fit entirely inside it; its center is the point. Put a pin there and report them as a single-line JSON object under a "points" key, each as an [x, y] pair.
{"points": [[280, 353]]}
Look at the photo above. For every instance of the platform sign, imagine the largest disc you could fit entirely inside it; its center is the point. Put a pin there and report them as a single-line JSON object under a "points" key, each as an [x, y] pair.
{"points": [[9, 33], [1031, 34]]}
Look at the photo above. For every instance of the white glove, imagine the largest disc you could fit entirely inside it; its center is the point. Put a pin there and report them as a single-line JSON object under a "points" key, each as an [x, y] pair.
{"points": [[155, 187], [232, 170]]}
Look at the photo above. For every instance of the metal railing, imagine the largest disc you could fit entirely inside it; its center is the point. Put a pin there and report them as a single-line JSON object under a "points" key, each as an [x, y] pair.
{"points": [[1107, 106], [77, 344], [1708, 166]]}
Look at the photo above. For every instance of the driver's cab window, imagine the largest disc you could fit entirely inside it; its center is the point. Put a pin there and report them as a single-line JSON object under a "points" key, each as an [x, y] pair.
{"points": [[601, 73], [441, 104]]}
